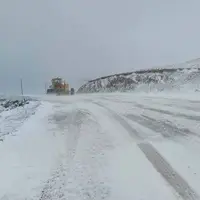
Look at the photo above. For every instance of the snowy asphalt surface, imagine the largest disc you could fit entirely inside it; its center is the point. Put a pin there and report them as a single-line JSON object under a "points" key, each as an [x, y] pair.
{"points": [[105, 146]]}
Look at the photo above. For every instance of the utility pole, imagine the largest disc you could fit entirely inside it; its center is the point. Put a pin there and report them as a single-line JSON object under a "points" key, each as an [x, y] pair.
{"points": [[45, 87], [22, 91]]}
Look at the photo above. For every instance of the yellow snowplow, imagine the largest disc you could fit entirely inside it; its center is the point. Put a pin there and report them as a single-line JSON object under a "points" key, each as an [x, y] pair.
{"points": [[58, 86]]}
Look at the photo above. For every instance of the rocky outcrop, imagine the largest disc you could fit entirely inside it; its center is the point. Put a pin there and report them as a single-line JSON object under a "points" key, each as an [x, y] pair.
{"points": [[11, 104]]}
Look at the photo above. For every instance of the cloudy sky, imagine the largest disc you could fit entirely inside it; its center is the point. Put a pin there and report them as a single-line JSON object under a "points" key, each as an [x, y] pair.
{"points": [[84, 39]]}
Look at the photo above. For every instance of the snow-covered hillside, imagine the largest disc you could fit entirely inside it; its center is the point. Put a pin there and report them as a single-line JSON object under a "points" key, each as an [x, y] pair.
{"points": [[181, 77]]}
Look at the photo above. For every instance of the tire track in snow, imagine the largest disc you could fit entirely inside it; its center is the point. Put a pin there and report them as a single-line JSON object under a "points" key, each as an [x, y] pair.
{"points": [[77, 176], [166, 129], [55, 186], [159, 163], [122, 121], [169, 174], [189, 117], [178, 105], [86, 179], [173, 103], [136, 104]]}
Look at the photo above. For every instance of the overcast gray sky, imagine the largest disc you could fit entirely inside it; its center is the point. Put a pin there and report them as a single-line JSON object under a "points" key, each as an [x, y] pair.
{"points": [[85, 39]]}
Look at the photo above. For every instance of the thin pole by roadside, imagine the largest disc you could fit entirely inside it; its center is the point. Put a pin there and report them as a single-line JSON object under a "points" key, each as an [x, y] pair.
{"points": [[21, 83], [45, 87]]}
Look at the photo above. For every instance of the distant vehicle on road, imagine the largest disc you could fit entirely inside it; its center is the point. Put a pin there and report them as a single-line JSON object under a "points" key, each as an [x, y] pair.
{"points": [[72, 91], [58, 86]]}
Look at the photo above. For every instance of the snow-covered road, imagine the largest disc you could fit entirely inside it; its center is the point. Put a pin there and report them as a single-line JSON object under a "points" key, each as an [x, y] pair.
{"points": [[105, 146]]}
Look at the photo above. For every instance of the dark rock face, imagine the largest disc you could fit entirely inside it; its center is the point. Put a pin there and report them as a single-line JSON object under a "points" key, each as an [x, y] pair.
{"points": [[11, 104], [120, 82], [158, 79]]}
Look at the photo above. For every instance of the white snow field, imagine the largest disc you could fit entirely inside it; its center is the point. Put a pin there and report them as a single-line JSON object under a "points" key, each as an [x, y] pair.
{"points": [[105, 147]]}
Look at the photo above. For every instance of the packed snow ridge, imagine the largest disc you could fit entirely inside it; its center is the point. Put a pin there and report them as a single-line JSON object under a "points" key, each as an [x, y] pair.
{"points": [[180, 77]]}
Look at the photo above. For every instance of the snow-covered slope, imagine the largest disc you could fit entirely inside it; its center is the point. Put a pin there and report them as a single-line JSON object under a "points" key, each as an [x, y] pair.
{"points": [[180, 77], [13, 112]]}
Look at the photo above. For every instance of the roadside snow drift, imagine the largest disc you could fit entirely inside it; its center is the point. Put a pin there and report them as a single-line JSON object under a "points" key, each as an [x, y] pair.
{"points": [[13, 113]]}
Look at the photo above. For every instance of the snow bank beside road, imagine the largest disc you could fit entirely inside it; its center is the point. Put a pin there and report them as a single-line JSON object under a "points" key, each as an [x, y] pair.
{"points": [[13, 116], [26, 160]]}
